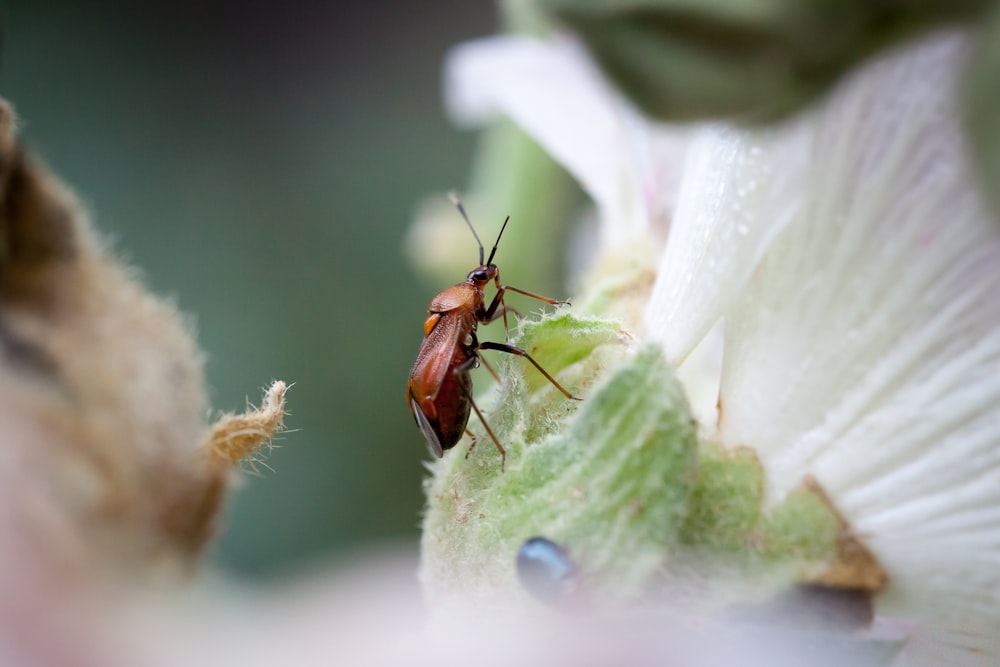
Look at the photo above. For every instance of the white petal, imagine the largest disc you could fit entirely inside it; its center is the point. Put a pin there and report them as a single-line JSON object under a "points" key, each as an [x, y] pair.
{"points": [[553, 92], [866, 349], [732, 203], [700, 375]]}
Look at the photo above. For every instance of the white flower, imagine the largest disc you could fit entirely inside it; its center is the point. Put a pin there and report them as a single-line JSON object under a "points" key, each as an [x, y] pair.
{"points": [[631, 169], [845, 269]]}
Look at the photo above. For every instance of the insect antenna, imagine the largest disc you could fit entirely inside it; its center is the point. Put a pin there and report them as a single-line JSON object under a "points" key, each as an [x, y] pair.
{"points": [[494, 251], [461, 209]]}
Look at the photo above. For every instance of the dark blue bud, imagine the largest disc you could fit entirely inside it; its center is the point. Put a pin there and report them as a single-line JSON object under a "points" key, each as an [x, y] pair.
{"points": [[545, 570]]}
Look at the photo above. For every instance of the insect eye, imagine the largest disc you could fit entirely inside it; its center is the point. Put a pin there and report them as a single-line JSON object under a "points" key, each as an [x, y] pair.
{"points": [[545, 570], [481, 274]]}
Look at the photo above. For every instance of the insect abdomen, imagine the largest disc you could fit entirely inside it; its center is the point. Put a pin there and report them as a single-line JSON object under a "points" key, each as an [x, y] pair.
{"points": [[453, 408]]}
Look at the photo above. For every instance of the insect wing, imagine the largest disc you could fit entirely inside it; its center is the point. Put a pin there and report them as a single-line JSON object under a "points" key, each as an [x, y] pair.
{"points": [[430, 435], [434, 360], [433, 364]]}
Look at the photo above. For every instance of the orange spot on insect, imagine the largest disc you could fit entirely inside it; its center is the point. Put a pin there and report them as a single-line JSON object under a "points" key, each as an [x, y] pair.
{"points": [[431, 322]]}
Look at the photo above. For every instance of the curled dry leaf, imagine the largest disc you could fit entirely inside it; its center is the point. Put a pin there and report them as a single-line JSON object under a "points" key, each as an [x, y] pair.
{"points": [[101, 400], [237, 438]]}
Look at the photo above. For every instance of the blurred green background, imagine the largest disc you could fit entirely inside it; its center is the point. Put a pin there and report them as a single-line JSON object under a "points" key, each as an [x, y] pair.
{"points": [[260, 162]]}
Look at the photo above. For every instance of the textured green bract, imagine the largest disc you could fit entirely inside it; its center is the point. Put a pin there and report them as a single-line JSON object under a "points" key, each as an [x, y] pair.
{"points": [[725, 517], [619, 479]]}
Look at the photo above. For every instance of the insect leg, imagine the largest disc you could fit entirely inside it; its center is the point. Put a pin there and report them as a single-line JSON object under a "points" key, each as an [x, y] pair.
{"points": [[490, 369], [510, 349], [553, 302], [497, 303], [503, 312], [497, 308], [473, 438], [465, 367], [493, 437]]}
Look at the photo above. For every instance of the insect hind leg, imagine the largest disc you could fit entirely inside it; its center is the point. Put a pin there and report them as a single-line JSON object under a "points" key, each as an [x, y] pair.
{"points": [[490, 369], [473, 438], [464, 367], [493, 437]]}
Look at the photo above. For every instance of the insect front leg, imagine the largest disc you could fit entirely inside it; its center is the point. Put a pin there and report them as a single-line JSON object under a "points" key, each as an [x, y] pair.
{"points": [[498, 308], [501, 288], [510, 349]]}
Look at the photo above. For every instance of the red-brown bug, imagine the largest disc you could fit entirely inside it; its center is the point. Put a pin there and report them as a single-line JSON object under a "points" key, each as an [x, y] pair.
{"points": [[439, 390]]}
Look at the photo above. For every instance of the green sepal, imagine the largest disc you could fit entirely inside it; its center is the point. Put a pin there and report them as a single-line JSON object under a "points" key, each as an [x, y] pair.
{"points": [[982, 108], [746, 60], [727, 519]]}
